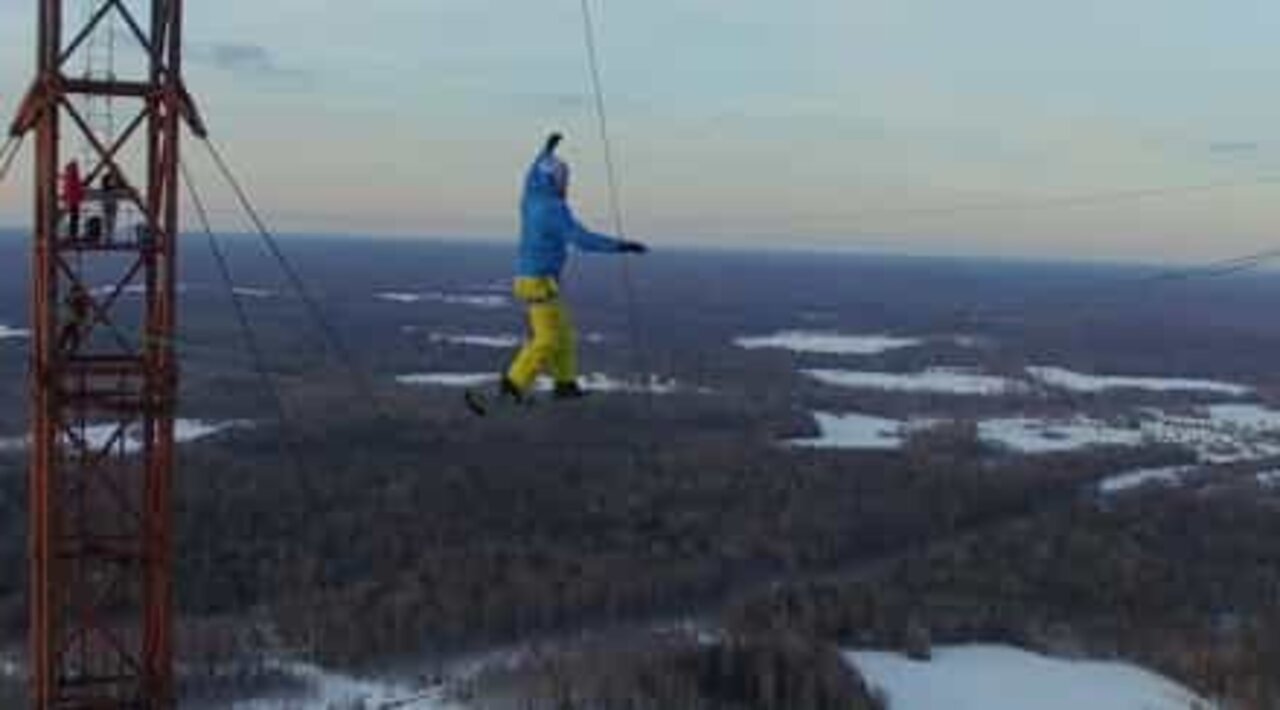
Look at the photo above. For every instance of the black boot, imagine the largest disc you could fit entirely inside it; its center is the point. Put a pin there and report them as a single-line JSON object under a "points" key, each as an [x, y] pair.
{"points": [[507, 393], [568, 390], [507, 390]]}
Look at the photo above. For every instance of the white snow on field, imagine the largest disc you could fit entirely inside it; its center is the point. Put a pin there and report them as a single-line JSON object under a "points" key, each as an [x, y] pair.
{"points": [[451, 299], [327, 690], [98, 436], [447, 379], [593, 382], [934, 381], [1217, 434], [1063, 378], [501, 342], [855, 431], [1246, 416], [1269, 479], [1041, 436], [399, 297], [132, 289], [7, 333], [800, 341], [1220, 433], [598, 382], [1006, 678], [252, 292], [1169, 476]]}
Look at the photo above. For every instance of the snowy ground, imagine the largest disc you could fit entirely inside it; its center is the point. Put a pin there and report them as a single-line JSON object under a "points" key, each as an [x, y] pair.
{"points": [[1006, 678], [1062, 378], [254, 292], [824, 343], [328, 690], [932, 381], [448, 379], [855, 431], [596, 382], [1168, 476], [1039, 436], [1269, 479], [487, 300], [1217, 434], [100, 435], [497, 342], [7, 333]]}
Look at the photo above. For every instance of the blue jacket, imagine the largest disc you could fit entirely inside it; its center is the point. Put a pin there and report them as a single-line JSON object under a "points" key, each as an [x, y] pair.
{"points": [[548, 227]]}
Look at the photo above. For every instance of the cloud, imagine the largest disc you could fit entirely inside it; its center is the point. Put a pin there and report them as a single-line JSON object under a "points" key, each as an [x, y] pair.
{"points": [[247, 60]]}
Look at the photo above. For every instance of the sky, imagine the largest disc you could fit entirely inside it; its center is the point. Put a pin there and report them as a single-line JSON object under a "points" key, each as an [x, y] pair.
{"points": [[911, 126]]}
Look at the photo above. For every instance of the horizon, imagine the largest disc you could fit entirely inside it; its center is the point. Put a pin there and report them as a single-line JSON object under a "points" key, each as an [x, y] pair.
{"points": [[704, 248]]}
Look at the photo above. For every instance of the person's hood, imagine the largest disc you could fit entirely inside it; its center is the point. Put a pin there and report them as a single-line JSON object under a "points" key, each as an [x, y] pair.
{"points": [[549, 177]]}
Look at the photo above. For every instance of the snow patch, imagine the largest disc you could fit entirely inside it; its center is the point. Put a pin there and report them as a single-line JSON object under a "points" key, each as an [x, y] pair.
{"points": [[129, 441], [1005, 678], [326, 689], [1041, 436], [826, 343], [447, 379], [598, 382], [1269, 479], [1251, 417], [502, 342], [7, 333], [934, 381], [855, 431], [252, 292], [1170, 476], [594, 382], [1063, 378], [132, 289], [451, 299]]}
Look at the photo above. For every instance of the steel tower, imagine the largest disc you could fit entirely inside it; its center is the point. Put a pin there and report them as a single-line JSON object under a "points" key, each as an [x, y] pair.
{"points": [[104, 373]]}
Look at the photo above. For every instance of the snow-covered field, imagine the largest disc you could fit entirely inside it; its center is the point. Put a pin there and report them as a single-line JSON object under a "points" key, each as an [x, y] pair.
{"points": [[1063, 378], [486, 300], [8, 333], [855, 431], [327, 690], [1168, 476], [1269, 479], [497, 342], [448, 379], [596, 382], [825, 343], [932, 381], [1217, 434], [100, 435], [1038, 436], [253, 292], [1004, 678]]}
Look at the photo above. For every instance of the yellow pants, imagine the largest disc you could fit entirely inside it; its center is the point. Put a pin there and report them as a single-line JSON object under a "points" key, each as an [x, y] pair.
{"points": [[552, 347]]}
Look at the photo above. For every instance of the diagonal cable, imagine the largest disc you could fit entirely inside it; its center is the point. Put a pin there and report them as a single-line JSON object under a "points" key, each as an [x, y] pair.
{"points": [[330, 333], [250, 337]]}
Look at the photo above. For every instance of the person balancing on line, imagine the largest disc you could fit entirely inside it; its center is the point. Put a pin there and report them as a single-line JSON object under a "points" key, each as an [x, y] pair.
{"points": [[548, 229]]}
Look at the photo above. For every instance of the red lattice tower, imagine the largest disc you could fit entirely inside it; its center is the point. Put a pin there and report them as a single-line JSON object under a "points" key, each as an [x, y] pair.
{"points": [[104, 372]]}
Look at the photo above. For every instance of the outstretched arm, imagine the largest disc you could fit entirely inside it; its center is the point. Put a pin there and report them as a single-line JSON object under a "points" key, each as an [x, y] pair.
{"points": [[590, 241]]}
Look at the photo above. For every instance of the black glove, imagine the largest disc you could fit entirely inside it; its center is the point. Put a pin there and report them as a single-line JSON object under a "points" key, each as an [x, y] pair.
{"points": [[553, 142], [633, 248]]}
